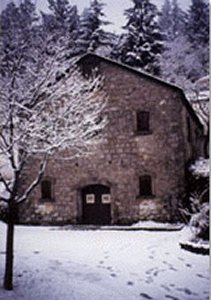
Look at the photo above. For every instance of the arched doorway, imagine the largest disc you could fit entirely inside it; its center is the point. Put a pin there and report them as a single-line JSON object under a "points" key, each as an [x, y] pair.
{"points": [[96, 205]]}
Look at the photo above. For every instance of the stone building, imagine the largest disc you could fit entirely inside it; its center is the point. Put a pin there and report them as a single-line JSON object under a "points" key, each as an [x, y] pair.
{"points": [[138, 172]]}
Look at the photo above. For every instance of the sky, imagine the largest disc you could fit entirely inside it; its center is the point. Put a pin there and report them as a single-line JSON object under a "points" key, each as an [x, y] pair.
{"points": [[113, 9]]}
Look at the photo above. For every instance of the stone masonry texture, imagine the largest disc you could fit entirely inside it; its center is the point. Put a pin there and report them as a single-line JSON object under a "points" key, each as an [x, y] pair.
{"points": [[125, 155]]}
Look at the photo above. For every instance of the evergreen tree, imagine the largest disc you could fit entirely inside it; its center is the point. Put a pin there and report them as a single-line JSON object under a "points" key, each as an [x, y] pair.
{"points": [[63, 17], [172, 20], [19, 31], [181, 65], [179, 20], [185, 58], [198, 22], [165, 20], [61, 25], [198, 31], [91, 33], [141, 45]]}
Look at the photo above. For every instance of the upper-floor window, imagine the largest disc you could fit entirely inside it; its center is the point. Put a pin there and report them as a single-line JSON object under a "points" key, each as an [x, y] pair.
{"points": [[46, 190], [143, 125], [145, 185]]}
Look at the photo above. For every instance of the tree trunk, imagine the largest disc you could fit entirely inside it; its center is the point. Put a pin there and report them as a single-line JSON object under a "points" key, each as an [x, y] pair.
{"points": [[8, 276]]}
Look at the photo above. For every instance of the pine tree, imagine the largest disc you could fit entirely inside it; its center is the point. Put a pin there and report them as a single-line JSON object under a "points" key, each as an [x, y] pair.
{"points": [[198, 31], [19, 31], [63, 17], [142, 43], [179, 20], [180, 64], [172, 20], [61, 25], [165, 20], [198, 22], [91, 33]]}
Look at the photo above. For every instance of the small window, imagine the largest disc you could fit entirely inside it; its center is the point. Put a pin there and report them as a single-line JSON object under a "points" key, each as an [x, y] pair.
{"points": [[145, 185], [46, 190], [106, 199], [143, 121], [90, 198]]}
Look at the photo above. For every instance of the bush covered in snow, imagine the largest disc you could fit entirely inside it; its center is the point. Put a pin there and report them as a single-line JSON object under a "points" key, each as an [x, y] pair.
{"points": [[199, 199], [199, 222], [200, 168]]}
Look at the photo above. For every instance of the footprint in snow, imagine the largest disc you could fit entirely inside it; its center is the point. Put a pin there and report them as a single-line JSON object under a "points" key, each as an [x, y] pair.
{"points": [[149, 280], [172, 268], [145, 296], [180, 258], [202, 276], [150, 271], [171, 297], [172, 284], [189, 265], [130, 283], [165, 287], [186, 291]]}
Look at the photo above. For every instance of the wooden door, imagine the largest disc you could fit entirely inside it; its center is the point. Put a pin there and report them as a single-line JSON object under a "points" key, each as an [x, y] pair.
{"points": [[96, 205]]}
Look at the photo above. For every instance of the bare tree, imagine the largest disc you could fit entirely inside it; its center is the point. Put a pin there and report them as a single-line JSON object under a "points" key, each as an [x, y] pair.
{"points": [[40, 115]]}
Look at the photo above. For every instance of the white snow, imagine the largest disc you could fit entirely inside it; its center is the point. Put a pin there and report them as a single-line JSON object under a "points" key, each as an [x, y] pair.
{"points": [[59, 263], [201, 167], [157, 225]]}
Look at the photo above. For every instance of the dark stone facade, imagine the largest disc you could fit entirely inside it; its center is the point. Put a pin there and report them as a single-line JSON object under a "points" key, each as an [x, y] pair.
{"points": [[161, 153]]}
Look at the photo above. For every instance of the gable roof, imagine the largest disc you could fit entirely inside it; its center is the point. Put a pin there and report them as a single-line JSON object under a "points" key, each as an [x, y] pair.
{"points": [[99, 58]]}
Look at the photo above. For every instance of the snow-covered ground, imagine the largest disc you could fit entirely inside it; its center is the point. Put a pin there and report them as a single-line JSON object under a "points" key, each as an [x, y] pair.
{"points": [[53, 263]]}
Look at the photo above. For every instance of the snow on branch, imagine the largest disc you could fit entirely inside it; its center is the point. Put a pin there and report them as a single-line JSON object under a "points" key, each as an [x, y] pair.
{"points": [[68, 114], [40, 115]]}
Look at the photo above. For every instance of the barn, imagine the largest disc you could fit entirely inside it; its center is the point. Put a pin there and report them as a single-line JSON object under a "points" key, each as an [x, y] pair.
{"points": [[138, 172]]}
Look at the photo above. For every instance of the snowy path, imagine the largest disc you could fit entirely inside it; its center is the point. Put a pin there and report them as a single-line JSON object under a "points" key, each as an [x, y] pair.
{"points": [[59, 264]]}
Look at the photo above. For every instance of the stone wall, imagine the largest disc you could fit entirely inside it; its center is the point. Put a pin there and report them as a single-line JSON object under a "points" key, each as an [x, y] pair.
{"points": [[124, 156]]}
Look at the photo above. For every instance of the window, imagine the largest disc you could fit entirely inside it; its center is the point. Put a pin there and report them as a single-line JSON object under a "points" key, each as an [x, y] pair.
{"points": [[90, 198], [145, 185], [143, 122], [46, 190]]}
